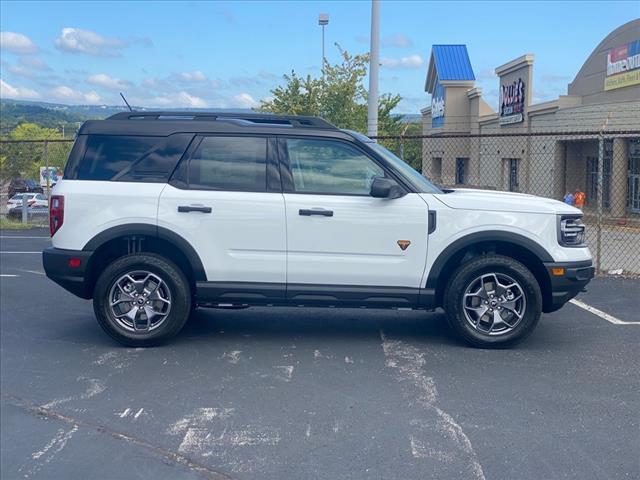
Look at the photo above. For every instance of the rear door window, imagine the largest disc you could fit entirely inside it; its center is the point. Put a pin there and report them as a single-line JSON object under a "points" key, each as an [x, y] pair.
{"points": [[128, 158], [229, 163]]}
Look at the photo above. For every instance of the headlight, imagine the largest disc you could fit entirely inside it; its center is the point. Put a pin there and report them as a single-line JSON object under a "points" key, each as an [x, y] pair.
{"points": [[571, 231]]}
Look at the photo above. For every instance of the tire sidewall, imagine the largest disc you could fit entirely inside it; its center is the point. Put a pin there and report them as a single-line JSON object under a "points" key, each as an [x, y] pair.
{"points": [[493, 264], [173, 278]]}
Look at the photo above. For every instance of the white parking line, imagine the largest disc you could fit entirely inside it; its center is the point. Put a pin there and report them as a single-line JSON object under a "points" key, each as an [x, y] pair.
{"points": [[22, 236], [4, 251], [601, 314], [7, 275], [35, 272]]}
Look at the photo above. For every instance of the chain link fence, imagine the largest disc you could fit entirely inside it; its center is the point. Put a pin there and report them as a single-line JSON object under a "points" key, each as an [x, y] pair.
{"points": [[594, 171], [597, 172], [21, 162]]}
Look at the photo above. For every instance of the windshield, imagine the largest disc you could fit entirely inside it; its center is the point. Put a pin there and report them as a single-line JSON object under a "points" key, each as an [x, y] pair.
{"points": [[419, 182]]}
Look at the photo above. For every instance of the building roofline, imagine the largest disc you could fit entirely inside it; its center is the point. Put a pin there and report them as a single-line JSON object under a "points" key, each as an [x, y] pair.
{"points": [[515, 64]]}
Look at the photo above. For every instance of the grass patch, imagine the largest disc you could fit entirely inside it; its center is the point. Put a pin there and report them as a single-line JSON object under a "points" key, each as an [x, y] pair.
{"points": [[6, 224]]}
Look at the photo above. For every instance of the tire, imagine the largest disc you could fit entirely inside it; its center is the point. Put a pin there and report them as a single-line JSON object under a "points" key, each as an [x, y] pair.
{"points": [[512, 312], [138, 284]]}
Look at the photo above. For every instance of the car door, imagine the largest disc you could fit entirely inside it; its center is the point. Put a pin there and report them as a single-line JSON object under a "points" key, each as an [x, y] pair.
{"points": [[337, 233], [225, 199]]}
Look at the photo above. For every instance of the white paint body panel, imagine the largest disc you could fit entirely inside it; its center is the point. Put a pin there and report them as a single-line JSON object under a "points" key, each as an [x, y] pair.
{"points": [[260, 237], [242, 240], [90, 207], [456, 223], [358, 244]]}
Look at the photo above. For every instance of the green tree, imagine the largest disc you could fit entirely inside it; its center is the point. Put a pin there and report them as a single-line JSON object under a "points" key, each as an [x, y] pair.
{"points": [[24, 159], [339, 96]]}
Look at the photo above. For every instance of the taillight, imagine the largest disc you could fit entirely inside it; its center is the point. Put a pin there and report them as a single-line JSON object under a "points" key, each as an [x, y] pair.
{"points": [[56, 213]]}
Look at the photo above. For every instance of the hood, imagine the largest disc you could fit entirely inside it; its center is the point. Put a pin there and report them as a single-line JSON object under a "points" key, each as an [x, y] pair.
{"points": [[472, 199]]}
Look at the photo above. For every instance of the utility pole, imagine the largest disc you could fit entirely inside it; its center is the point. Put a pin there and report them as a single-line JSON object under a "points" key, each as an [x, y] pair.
{"points": [[323, 21], [374, 63]]}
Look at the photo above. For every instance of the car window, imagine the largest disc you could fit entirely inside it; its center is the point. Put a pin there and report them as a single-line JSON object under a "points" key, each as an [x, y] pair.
{"points": [[229, 163], [41, 197], [127, 158], [17, 197], [330, 167]]}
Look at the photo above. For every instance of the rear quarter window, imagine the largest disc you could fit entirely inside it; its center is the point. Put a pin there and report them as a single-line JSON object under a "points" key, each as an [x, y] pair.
{"points": [[126, 158]]}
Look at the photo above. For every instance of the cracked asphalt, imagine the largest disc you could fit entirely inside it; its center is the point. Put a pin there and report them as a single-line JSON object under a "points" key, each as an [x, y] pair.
{"points": [[311, 394]]}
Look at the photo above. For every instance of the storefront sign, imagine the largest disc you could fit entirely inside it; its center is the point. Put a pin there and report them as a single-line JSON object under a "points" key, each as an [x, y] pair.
{"points": [[623, 66], [512, 103], [437, 105]]}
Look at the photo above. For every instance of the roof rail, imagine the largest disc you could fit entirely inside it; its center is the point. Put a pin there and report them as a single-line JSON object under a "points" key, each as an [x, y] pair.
{"points": [[256, 118]]}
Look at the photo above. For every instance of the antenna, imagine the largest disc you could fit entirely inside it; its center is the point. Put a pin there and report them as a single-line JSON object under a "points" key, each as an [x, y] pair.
{"points": [[127, 103]]}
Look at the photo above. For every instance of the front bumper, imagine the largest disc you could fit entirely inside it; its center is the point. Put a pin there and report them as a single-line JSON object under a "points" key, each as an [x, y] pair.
{"points": [[566, 286], [73, 279]]}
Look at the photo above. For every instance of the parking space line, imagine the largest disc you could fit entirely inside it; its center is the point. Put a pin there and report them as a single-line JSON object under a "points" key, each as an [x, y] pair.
{"points": [[39, 251], [22, 236], [601, 314], [7, 275]]}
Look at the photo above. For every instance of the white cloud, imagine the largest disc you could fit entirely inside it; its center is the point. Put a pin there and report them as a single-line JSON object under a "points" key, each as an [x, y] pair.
{"points": [[34, 63], [244, 100], [397, 40], [16, 93], [77, 40], [195, 76], [65, 94], [172, 100], [412, 61], [27, 67], [105, 81], [17, 43]]}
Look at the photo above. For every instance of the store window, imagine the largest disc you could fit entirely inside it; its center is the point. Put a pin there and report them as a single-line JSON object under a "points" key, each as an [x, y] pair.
{"points": [[592, 177], [512, 174], [633, 188], [461, 170], [436, 169]]}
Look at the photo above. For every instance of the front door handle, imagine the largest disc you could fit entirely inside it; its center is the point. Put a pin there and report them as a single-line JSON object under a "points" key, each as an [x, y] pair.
{"points": [[194, 208], [307, 212]]}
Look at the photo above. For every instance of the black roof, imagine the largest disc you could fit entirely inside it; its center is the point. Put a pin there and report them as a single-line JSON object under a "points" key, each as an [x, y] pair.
{"points": [[166, 123]]}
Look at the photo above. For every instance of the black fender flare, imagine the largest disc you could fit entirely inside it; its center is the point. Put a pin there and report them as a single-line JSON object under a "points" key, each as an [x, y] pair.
{"points": [[150, 230], [483, 237]]}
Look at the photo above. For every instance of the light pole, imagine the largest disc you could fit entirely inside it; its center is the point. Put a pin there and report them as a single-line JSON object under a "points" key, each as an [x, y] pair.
{"points": [[374, 63], [323, 21]]}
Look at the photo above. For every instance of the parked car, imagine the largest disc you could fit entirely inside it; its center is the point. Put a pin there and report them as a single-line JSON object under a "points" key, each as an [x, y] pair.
{"points": [[21, 185], [34, 213], [158, 213], [33, 199]]}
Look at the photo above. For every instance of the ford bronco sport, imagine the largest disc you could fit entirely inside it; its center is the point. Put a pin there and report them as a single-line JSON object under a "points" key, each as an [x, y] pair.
{"points": [[159, 213]]}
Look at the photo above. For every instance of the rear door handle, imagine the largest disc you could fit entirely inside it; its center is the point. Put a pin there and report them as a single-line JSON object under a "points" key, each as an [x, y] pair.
{"points": [[194, 208], [307, 212]]}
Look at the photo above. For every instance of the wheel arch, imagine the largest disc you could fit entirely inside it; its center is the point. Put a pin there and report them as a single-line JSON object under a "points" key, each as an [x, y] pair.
{"points": [[519, 247], [130, 238]]}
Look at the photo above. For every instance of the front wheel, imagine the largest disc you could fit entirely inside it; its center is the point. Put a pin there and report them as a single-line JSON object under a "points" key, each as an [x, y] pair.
{"points": [[142, 300], [493, 301]]}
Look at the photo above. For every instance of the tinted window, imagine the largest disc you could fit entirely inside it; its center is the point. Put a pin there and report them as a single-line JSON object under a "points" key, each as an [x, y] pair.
{"points": [[128, 158], [229, 163], [326, 166]]}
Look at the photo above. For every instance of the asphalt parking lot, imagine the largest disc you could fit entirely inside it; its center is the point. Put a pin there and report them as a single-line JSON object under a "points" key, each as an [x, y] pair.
{"points": [[310, 393]]}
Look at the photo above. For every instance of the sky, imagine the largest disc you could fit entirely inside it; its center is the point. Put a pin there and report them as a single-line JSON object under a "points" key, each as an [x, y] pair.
{"points": [[232, 54]]}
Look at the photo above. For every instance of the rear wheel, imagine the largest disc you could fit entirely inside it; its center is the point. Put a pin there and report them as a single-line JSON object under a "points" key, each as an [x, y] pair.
{"points": [[493, 301], [142, 300]]}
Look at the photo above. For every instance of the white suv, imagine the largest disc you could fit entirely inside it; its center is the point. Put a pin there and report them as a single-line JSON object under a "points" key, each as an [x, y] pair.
{"points": [[159, 213]]}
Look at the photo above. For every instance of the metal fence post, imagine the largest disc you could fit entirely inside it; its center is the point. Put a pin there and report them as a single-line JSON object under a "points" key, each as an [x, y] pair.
{"points": [[402, 147], [24, 207], [600, 183]]}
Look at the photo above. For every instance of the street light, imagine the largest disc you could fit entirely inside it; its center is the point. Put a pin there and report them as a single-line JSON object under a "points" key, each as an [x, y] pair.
{"points": [[374, 63], [323, 21]]}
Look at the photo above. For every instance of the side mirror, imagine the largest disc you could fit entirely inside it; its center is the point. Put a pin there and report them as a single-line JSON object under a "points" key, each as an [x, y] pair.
{"points": [[382, 187]]}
